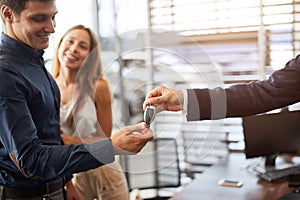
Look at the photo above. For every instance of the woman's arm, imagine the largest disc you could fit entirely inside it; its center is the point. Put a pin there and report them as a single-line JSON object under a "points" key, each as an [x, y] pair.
{"points": [[103, 101]]}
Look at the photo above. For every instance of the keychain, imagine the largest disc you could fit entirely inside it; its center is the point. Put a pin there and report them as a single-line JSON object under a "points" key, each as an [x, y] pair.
{"points": [[149, 115]]}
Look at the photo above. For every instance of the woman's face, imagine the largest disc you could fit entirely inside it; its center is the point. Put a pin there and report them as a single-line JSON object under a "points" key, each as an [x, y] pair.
{"points": [[74, 49]]}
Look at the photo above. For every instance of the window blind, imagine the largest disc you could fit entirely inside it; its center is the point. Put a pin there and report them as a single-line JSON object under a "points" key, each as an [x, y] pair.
{"points": [[274, 22], [244, 40]]}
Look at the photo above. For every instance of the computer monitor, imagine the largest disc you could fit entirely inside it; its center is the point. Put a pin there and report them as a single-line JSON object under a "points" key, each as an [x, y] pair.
{"points": [[272, 134]]}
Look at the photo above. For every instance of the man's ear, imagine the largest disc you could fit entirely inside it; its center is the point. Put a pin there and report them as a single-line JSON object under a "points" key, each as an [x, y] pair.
{"points": [[6, 13]]}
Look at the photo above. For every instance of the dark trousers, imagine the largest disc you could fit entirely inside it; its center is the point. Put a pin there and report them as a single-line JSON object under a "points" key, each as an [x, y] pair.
{"points": [[49, 191], [57, 195]]}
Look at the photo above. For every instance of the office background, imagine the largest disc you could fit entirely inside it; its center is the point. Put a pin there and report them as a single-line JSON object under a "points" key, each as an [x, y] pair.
{"points": [[191, 43]]}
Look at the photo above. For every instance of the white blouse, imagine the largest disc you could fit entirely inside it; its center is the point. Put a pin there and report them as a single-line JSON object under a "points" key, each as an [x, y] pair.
{"points": [[85, 120]]}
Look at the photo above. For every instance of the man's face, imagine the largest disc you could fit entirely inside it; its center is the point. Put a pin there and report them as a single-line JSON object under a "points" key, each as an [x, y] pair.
{"points": [[34, 24]]}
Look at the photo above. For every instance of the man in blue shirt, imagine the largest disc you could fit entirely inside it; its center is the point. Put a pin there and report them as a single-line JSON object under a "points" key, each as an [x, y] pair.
{"points": [[32, 157]]}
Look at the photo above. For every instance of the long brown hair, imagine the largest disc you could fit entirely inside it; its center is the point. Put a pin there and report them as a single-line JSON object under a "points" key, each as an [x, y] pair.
{"points": [[90, 71]]}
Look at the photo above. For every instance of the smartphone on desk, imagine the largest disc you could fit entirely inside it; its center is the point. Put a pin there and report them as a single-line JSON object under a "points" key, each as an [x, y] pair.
{"points": [[230, 183]]}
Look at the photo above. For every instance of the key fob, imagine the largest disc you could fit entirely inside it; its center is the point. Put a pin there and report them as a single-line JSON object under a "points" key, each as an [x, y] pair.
{"points": [[149, 115]]}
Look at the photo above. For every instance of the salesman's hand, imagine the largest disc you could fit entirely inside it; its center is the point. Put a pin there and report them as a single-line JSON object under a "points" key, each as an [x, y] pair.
{"points": [[164, 98], [131, 139]]}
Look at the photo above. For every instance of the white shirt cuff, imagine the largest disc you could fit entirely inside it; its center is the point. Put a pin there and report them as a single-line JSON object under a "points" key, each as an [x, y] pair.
{"points": [[185, 104]]}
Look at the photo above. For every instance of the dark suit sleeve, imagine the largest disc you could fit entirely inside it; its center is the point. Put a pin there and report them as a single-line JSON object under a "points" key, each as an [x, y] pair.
{"points": [[280, 90]]}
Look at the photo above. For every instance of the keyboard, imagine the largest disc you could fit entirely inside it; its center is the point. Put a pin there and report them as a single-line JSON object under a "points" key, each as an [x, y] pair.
{"points": [[279, 174]]}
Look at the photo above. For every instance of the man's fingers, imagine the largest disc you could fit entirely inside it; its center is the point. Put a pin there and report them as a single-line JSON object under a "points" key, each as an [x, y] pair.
{"points": [[152, 101], [131, 139], [159, 108], [144, 135], [155, 92], [134, 128], [154, 97]]}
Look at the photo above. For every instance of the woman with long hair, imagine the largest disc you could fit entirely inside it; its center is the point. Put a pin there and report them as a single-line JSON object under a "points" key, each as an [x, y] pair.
{"points": [[86, 109]]}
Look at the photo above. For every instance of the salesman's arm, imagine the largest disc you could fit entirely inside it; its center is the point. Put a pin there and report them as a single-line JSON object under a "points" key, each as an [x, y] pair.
{"points": [[280, 90]]}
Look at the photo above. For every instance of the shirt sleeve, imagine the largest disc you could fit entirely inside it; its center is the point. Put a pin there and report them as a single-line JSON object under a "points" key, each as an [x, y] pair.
{"points": [[281, 89], [36, 152]]}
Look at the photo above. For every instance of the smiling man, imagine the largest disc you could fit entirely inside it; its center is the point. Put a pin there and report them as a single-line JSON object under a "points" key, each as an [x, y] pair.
{"points": [[33, 25], [33, 160]]}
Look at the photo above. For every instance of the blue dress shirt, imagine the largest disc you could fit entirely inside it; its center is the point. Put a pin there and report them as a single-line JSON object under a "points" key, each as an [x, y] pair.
{"points": [[31, 150]]}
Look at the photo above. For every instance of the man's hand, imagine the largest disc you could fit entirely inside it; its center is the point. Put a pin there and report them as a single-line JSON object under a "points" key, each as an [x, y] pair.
{"points": [[131, 139], [164, 98]]}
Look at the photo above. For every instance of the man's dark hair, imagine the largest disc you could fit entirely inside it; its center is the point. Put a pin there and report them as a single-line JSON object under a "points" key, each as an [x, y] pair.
{"points": [[18, 6]]}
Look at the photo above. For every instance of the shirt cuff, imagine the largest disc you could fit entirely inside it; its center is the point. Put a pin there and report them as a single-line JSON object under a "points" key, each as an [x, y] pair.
{"points": [[102, 150], [185, 104], [185, 100]]}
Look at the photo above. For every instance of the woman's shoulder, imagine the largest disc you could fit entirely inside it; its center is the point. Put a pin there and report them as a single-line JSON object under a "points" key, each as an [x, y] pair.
{"points": [[102, 90], [102, 85]]}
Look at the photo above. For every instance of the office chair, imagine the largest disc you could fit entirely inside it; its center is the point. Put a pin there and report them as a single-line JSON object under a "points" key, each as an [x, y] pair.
{"points": [[156, 167], [202, 147]]}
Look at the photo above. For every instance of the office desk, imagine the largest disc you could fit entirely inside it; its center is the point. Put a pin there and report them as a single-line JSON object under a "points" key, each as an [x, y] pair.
{"points": [[206, 187]]}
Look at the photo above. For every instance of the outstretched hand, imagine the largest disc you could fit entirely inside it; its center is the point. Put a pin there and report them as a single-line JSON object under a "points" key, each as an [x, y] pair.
{"points": [[164, 98], [131, 139]]}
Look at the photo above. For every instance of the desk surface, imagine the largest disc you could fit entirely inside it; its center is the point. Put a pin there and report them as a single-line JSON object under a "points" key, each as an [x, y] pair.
{"points": [[205, 186]]}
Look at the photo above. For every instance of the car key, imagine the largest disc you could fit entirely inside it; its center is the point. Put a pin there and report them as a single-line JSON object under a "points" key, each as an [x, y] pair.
{"points": [[149, 115]]}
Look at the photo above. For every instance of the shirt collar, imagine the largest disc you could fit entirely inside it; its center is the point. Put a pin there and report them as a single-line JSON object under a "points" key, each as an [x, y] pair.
{"points": [[20, 49]]}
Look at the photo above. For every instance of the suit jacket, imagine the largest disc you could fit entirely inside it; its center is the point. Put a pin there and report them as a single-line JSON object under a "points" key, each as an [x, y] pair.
{"points": [[280, 90]]}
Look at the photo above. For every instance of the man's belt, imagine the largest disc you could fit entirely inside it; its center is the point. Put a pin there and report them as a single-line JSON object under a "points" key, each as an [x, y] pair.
{"points": [[35, 191]]}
